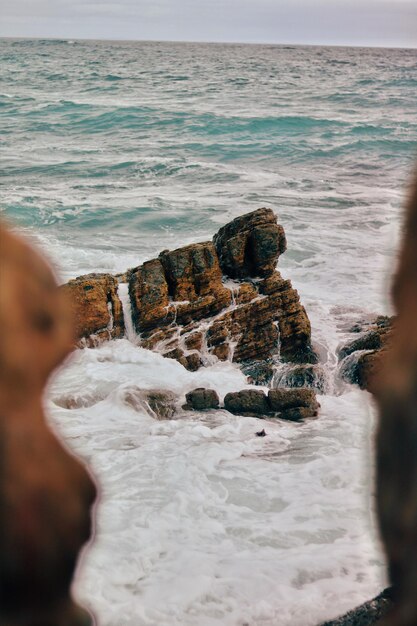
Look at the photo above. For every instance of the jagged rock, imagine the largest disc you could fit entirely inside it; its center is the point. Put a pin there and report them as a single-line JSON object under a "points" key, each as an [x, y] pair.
{"points": [[194, 341], [250, 402], [361, 358], [148, 291], [293, 322], [201, 399], [97, 308], [191, 361], [250, 245], [371, 340], [367, 614], [185, 308]]}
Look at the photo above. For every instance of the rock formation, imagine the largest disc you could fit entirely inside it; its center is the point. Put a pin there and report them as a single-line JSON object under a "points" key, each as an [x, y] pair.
{"points": [[45, 493], [217, 299], [361, 358], [97, 309]]}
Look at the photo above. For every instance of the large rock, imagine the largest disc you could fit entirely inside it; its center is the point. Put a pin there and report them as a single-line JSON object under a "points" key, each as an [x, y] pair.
{"points": [[212, 300], [148, 291], [97, 308], [250, 245]]}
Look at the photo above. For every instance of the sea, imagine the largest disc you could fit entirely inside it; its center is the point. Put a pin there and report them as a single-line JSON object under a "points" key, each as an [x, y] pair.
{"points": [[113, 151]]}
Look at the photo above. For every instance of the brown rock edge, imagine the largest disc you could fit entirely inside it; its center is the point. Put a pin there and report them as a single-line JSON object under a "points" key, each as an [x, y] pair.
{"points": [[220, 298], [362, 357], [293, 405]]}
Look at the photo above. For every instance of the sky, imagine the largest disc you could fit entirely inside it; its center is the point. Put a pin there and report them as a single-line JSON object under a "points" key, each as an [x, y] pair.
{"points": [[327, 22]]}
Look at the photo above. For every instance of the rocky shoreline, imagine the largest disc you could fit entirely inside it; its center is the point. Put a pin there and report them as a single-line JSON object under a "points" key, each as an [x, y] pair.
{"points": [[221, 299], [224, 300]]}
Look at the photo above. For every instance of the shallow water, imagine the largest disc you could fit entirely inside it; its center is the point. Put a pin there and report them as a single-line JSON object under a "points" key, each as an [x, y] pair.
{"points": [[114, 151]]}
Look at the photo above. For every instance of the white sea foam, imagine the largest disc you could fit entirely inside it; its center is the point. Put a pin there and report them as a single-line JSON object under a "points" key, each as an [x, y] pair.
{"points": [[200, 521]]}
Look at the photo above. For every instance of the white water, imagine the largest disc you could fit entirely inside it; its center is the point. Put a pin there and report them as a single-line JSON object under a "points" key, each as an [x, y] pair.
{"points": [[202, 523], [130, 332]]}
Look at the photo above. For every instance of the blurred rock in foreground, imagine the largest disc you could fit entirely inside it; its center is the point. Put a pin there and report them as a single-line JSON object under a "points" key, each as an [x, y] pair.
{"points": [[45, 493], [396, 394]]}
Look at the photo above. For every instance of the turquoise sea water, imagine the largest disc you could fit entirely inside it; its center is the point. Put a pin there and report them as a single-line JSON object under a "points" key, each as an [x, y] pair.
{"points": [[113, 151], [129, 146]]}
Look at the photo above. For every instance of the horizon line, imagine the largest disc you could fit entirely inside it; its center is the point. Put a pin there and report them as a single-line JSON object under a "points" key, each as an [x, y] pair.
{"points": [[191, 41]]}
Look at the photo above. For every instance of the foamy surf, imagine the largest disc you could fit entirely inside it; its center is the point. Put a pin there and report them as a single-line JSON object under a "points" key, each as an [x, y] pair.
{"points": [[201, 521]]}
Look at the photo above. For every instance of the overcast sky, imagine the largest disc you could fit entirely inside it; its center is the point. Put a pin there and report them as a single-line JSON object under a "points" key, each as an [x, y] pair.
{"points": [[344, 22]]}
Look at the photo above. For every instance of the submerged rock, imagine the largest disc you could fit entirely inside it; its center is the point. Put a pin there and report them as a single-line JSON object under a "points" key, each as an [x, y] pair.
{"points": [[157, 403], [309, 375], [97, 308], [201, 399]]}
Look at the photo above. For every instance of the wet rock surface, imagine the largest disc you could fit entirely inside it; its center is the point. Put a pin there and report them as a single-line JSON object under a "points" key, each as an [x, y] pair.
{"points": [[288, 404], [248, 402], [250, 245], [361, 358], [201, 399], [220, 299], [309, 375], [97, 309]]}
